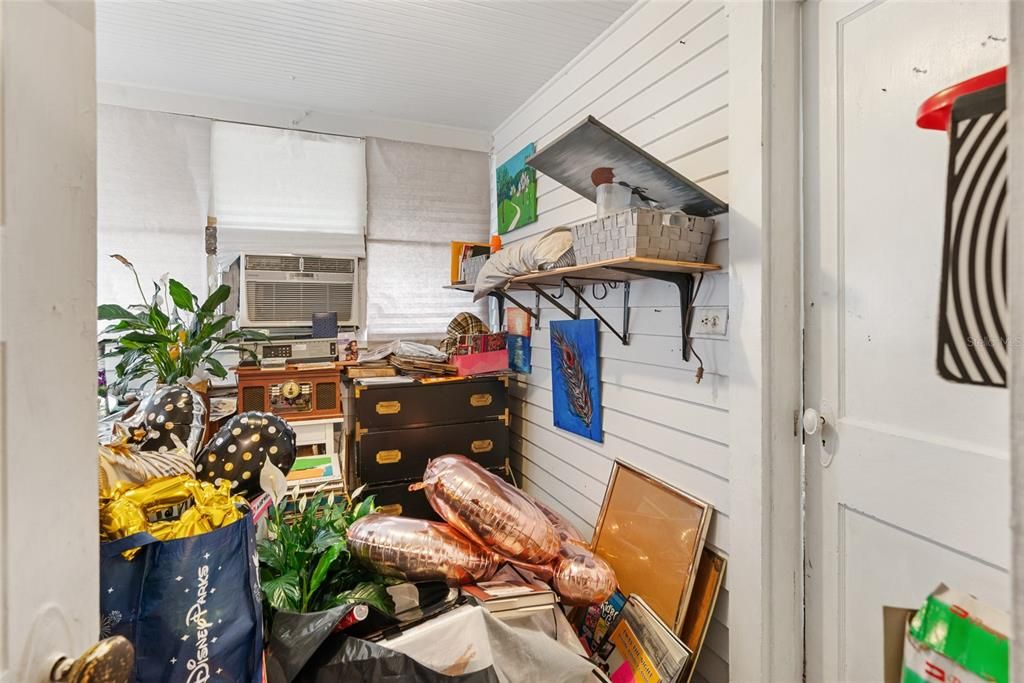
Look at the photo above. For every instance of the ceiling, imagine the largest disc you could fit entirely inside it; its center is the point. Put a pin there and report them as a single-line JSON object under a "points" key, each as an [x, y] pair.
{"points": [[465, 63]]}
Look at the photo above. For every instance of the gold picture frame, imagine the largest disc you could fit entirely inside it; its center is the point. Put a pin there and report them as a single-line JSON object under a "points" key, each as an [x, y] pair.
{"points": [[652, 534], [703, 600]]}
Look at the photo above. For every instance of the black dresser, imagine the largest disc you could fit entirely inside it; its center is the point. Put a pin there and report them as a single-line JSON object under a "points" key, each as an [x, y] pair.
{"points": [[397, 429]]}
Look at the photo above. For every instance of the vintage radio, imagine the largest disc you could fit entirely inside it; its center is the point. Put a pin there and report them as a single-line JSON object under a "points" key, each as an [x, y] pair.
{"points": [[292, 393], [295, 350]]}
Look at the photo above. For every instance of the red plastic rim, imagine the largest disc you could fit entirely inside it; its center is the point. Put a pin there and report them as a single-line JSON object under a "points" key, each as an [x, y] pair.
{"points": [[934, 112]]}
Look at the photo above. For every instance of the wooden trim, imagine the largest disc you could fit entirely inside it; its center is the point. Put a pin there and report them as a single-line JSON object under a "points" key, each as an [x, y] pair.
{"points": [[766, 556], [1015, 238]]}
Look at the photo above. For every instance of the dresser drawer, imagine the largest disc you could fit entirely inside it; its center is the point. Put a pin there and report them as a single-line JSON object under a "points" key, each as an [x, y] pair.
{"points": [[394, 454], [413, 405]]}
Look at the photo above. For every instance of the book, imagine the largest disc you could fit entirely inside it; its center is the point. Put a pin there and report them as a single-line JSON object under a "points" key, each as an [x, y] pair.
{"points": [[502, 598], [357, 372], [597, 620], [640, 648]]}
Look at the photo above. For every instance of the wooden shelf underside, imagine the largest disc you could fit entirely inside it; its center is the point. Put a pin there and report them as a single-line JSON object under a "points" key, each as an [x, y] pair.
{"points": [[602, 270]]}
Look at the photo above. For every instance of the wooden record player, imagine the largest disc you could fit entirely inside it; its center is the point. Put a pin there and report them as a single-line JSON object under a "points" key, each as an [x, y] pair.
{"points": [[293, 392]]}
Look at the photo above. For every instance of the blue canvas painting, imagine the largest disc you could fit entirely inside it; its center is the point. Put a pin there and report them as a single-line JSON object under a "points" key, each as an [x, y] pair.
{"points": [[575, 378], [519, 354]]}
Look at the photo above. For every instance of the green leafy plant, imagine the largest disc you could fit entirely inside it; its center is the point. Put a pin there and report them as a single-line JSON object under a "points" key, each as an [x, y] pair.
{"points": [[305, 564], [171, 335]]}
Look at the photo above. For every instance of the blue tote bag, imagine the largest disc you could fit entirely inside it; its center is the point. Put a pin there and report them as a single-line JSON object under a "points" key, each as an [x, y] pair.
{"points": [[191, 607]]}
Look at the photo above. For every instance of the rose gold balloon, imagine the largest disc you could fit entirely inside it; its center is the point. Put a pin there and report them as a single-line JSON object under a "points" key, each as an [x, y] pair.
{"points": [[581, 577], [567, 533], [418, 550], [488, 510]]}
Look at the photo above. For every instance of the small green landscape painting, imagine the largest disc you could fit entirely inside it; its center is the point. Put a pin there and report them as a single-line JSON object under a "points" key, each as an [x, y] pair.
{"points": [[516, 192]]}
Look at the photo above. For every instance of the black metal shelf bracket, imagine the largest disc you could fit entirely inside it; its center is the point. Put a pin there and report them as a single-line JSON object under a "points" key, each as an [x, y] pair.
{"points": [[580, 297], [684, 282], [502, 297]]}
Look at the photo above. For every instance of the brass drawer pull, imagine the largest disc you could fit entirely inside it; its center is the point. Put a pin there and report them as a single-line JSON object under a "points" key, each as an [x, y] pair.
{"points": [[389, 407], [388, 457], [482, 446], [480, 400], [394, 509]]}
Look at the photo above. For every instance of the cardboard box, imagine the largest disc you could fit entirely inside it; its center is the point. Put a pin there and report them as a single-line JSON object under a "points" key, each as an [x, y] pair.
{"points": [[952, 637]]}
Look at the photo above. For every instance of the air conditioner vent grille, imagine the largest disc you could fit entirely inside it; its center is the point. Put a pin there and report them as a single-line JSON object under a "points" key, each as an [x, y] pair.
{"points": [[274, 263], [314, 264], [279, 302]]}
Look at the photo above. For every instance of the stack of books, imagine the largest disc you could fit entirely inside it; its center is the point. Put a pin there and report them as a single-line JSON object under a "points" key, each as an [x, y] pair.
{"points": [[506, 599]]}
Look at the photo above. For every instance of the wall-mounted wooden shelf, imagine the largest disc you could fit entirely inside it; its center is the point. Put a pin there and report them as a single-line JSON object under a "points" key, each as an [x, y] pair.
{"points": [[618, 270]]}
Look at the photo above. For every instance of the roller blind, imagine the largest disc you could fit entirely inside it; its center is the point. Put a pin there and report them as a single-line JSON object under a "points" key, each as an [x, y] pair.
{"points": [[275, 190], [152, 187], [420, 198]]}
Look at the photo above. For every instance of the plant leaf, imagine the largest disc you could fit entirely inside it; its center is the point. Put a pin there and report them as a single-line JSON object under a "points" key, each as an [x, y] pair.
{"points": [[373, 594], [113, 312], [219, 296], [325, 538], [182, 296], [216, 368], [322, 567], [146, 338], [283, 592], [364, 508]]}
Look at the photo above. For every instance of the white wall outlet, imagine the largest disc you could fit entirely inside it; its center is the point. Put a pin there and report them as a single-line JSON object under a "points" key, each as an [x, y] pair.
{"points": [[709, 321]]}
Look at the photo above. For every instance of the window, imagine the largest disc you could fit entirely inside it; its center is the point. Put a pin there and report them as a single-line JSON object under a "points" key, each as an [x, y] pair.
{"points": [[420, 198], [283, 191]]}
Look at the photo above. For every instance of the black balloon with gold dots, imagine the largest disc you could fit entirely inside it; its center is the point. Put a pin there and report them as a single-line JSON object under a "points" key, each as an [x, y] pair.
{"points": [[174, 409], [237, 452]]}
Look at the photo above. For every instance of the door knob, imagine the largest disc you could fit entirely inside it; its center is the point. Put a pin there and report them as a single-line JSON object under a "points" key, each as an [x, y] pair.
{"points": [[813, 421], [109, 661]]}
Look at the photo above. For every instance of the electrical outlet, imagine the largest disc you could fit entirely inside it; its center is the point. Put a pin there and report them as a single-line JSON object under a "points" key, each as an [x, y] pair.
{"points": [[709, 321]]}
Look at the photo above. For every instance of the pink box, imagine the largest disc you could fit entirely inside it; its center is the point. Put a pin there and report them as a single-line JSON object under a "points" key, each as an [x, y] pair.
{"points": [[479, 363]]}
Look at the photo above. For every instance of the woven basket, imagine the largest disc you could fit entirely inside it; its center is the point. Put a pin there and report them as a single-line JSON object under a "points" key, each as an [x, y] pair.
{"points": [[643, 233]]}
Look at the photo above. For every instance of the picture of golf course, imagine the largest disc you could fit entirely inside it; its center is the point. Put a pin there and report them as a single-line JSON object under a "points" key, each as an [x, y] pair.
{"points": [[516, 192]]}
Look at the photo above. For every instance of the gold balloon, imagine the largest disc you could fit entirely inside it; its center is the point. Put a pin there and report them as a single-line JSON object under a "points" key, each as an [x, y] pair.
{"points": [[581, 577], [418, 550], [488, 511]]}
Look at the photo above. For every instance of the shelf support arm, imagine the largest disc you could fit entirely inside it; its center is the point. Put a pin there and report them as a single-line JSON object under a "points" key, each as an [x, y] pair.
{"points": [[624, 335], [684, 283], [554, 301], [502, 297]]}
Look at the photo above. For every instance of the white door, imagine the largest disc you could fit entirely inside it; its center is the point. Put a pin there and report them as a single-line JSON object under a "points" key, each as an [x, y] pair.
{"points": [[911, 486], [49, 593]]}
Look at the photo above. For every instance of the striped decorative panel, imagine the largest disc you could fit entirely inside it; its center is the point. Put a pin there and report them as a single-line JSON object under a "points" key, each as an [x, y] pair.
{"points": [[973, 315]]}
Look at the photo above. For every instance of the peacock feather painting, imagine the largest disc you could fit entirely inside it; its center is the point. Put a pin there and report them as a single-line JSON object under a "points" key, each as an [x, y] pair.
{"points": [[575, 378]]}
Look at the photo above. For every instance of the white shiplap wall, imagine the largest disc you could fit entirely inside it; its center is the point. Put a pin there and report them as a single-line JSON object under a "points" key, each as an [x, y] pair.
{"points": [[659, 76]]}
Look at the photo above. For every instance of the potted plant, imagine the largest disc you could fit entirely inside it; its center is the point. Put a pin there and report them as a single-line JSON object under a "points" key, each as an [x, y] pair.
{"points": [[170, 336], [305, 564]]}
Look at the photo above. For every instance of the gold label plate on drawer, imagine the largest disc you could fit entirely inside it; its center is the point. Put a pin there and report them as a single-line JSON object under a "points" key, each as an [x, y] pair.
{"points": [[388, 457], [481, 400], [394, 509], [481, 446], [389, 407]]}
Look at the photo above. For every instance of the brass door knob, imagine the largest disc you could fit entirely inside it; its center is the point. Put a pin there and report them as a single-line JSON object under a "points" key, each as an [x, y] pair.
{"points": [[109, 661]]}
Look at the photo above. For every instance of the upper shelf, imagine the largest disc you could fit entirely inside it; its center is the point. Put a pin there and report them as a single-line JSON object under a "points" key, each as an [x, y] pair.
{"points": [[616, 269], [611, 269]]}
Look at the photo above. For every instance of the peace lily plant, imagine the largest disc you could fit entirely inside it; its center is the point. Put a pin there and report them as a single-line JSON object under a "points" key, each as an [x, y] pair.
{"points": [[170, 336]]}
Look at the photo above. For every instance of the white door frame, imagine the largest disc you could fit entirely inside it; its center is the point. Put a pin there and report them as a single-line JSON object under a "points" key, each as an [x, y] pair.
{"points": [[765, 304], [1015, 238], [49, 564]]}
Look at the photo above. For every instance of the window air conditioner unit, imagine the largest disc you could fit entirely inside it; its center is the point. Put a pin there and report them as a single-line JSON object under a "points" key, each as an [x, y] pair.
{"points": [[286, 290]]}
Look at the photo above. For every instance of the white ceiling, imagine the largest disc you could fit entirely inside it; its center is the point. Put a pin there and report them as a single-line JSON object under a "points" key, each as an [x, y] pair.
{"points": [[466, 63]]}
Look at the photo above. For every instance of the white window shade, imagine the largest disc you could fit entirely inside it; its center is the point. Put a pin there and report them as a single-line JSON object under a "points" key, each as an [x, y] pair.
{"points": [[287, 191], [151, 189], [420, 198]]}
